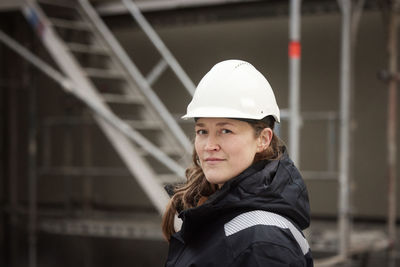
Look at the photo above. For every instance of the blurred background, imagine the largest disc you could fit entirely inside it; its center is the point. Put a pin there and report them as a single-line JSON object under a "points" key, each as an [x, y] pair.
{"points": [[91, 93]]}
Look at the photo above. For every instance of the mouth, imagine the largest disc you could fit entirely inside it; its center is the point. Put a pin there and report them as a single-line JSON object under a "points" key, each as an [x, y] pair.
{"points": [[213, 160]]}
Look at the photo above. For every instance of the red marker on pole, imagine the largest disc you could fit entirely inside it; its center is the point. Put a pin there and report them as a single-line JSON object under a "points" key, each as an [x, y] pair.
{"points": [[294, 49]]}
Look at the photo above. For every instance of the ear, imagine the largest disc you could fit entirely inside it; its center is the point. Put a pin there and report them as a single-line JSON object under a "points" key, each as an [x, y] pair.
{"points": [[264, 139]]}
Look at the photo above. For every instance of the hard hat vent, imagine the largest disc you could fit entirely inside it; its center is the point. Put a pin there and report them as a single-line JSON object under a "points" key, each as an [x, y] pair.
{"points": [[241, 64]]}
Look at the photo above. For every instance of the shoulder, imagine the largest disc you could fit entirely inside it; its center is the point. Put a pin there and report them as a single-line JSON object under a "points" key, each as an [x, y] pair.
{"points": [[266, 234]]}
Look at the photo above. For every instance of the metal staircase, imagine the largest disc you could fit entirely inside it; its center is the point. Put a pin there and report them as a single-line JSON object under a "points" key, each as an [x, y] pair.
{"points": [[87, 53]]}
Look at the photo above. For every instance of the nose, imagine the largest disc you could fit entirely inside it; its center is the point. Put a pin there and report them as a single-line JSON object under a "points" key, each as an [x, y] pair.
{"points": [[212, 144]]}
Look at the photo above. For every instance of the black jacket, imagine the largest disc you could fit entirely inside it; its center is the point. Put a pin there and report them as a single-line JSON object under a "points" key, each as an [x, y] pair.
{"points": [[253, 220]]}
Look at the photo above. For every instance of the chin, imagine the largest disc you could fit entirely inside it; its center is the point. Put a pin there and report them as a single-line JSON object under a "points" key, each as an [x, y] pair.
{"points": [[216, 180], [213, 180]]}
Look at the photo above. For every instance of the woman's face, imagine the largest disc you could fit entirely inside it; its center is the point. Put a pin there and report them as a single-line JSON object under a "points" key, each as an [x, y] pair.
{"points": [[226, 147]]}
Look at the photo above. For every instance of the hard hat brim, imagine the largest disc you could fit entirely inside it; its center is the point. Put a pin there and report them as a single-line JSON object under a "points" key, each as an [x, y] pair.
{"points": [[219, 112]]}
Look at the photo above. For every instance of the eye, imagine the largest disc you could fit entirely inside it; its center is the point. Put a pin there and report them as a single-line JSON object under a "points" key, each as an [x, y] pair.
{"points": [[201, 132], [226, 131]]}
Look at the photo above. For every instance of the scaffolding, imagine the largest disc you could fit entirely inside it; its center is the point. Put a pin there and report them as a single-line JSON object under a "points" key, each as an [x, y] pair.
{"points": [[145, 227]]}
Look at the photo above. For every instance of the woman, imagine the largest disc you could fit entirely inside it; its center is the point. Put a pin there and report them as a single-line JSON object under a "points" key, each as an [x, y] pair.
{"points": [[244, 203]]}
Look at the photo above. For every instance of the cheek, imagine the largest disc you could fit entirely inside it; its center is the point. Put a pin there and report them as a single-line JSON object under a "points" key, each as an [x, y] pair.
{"points": [[245, 151], [197, 146], [252, 149]]}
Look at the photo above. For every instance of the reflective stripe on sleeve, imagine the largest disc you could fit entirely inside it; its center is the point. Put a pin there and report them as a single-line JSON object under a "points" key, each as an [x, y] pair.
{"points": [[261, 217]]}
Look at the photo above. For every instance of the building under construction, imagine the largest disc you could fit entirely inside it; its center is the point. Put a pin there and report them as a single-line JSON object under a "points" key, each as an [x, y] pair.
{"points": [[91, 98]]}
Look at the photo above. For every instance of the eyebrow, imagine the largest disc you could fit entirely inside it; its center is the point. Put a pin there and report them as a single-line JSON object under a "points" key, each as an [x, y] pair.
{"points": [[218, 124]]}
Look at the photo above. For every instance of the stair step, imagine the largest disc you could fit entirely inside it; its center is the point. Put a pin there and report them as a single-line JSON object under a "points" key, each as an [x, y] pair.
{"points": [[70, 24], [122, 99], [90, 49], [104, 73], [144, 125], [59, 3]]}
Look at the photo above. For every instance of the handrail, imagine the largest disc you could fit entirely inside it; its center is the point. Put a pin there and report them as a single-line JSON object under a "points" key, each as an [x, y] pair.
{"points": [[108, 116], [159, 44], [134, 72]]}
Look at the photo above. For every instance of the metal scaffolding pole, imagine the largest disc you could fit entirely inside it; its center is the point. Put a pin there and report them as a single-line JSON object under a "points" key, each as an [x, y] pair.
{"points": [[12, 176], [345, 131], [294, 80], [32, 175], [391, 129]]}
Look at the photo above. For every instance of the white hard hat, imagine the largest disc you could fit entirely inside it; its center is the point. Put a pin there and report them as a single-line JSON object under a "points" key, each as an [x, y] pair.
{"points": [[233, 89]]}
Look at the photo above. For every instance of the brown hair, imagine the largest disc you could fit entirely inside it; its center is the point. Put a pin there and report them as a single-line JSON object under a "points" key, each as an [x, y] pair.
{"points": [[197, 189]]}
